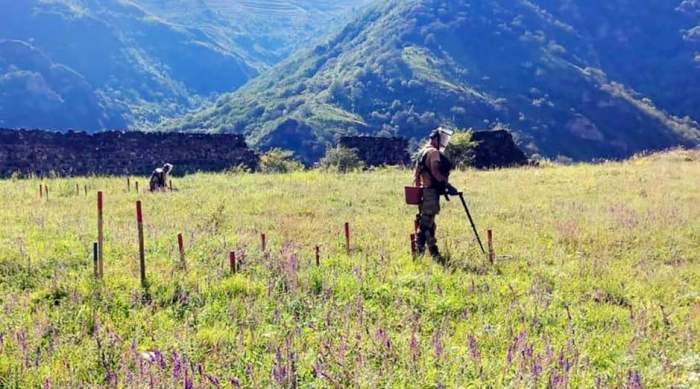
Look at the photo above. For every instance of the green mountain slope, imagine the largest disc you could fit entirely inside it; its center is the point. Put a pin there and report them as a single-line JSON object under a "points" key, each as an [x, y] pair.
{"points": [[403, 67], [136, 61], [265, 32]]}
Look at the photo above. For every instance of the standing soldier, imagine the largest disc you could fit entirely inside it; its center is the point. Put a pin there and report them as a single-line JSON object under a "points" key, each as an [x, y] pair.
{"points": [[159, 178], [432, 173]]}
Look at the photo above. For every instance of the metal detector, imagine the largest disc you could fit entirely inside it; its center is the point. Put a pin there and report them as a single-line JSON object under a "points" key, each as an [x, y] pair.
{"points": [[451, 190]]}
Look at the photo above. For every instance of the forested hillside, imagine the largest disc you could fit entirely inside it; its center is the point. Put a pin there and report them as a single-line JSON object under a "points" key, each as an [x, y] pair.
{"points": [[578, 79], [92, 64]]}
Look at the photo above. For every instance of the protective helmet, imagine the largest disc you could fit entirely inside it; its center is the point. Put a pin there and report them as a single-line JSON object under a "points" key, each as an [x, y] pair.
{"points": [[167, 167], [443, 134]]}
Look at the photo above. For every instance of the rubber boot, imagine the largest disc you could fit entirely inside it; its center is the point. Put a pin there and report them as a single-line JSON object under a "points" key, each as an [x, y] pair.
{"points": [[435, 253], [420, 242]]}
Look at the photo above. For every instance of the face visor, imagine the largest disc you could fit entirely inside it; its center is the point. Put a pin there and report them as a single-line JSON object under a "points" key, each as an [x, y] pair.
{"points": [[444, 136]]}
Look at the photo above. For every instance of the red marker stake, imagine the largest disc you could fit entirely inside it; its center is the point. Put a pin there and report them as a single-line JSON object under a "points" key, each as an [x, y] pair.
{"points": [[232, 262], [181, 248], [142, 255], [492, 253], [263, 242], [100, 236], [347, 237], [318, 256]]}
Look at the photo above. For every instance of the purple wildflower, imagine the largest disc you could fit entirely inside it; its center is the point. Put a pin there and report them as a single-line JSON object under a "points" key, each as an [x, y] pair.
{"points": [[213, 380], [317, 368], [279, 371], [536, 368], [473, 349], [437, 344], [21, 337], [414, 347], [47, 383], [188, 381], [634, 380], [158, 356], [383, 338], [249, 372], [342, 349], [235, 382], [509, 356], [177, 366], [112, 378], [554, 380]]}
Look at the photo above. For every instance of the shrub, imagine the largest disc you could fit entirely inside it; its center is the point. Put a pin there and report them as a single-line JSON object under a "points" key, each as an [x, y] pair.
{"points": [[341, 159], [279, 161], [461, 149]]}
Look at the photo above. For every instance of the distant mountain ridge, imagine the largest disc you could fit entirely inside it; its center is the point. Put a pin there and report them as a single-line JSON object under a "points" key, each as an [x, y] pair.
{"points": [[563, 86], [133, 62]]}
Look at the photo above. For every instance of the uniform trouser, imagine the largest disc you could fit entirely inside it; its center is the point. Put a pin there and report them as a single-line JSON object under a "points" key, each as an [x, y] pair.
{"points": [[427, 211]]}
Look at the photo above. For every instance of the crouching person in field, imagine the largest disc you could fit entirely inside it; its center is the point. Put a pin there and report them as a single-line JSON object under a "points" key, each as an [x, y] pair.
{"points": [[159, 178]]}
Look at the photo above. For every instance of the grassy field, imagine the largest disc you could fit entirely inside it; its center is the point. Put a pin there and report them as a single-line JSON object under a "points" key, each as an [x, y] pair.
{"points": [[597, 282]]}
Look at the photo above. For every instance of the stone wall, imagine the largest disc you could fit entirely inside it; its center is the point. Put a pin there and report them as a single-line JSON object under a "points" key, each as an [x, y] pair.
{"points": [[496, 149], [377, 151], [41, 153]]}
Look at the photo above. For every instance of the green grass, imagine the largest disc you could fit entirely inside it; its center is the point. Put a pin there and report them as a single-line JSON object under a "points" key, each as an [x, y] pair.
{"points": [[597, 280]]}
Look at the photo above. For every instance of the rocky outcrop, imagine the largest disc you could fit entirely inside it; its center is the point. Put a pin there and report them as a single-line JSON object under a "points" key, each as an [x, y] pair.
{"points": [[496, 149], [377, 151], [42, 153]]}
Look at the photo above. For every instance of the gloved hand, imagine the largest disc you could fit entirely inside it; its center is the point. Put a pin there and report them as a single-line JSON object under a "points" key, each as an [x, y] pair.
{"points": [[451, 190]]}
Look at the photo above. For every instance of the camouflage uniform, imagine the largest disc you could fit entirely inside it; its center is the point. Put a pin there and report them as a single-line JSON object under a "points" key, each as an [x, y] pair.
{"points": [[427, 211]]}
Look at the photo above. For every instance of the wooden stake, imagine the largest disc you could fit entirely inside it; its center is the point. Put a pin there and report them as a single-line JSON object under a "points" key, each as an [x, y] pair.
{"points": [[318, 256], [46, 191], [347, 237], [77, 190], [170, 182], [41, 191], [100, 236], [128, 184], [136, 186], [263, 242], [95, 260], [142, 254], [181, 248], [85, 187], [492, 254], [232, 262]]}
